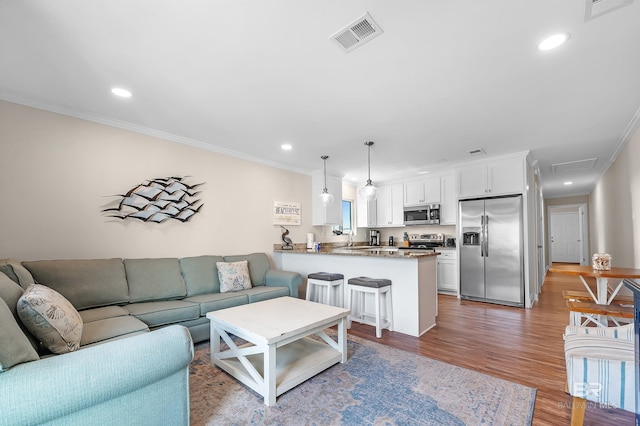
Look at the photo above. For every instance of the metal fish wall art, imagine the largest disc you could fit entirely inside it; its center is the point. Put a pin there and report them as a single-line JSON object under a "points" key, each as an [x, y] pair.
{"points": [[158, 200]]}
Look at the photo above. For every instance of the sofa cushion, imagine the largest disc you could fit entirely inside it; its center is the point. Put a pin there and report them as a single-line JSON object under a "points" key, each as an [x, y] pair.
{"points": [[15, 348], [14, 270], [200, 274], [258, 266], [154, 279], [214, 301], [10, 292], [86, 283], [110, 328], [258, 294], [50, 318], [97, 314], [234, 276], [166, 312]]}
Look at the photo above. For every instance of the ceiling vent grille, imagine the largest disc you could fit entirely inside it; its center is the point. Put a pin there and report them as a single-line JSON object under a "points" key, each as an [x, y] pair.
{"points": [[595, 8], [477, 151], [573, 166], [357, 33]]}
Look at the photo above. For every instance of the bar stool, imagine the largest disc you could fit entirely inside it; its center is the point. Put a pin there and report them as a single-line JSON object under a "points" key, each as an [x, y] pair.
{"points": [[331, 282], [378, 287]]}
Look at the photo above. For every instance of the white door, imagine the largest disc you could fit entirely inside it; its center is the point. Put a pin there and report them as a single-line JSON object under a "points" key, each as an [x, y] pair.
{"points": [[566, 241]]}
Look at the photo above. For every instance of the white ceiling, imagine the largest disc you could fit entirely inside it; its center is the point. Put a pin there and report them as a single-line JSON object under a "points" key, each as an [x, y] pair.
{"points": [[244, 76]]}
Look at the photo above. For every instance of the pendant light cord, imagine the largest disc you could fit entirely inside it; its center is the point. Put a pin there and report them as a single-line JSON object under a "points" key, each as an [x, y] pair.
{"points": [[324, 159], [369, 162]]}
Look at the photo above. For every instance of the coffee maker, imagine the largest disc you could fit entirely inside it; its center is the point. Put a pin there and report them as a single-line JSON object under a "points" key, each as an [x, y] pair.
{"points": [[374, 237]]}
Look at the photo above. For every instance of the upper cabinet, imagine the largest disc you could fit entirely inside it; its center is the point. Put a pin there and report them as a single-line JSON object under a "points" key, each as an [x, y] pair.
{"points": [[448, 200], [495, 177], [366, 212], [321, 214], [426, 191], [389, 206]]}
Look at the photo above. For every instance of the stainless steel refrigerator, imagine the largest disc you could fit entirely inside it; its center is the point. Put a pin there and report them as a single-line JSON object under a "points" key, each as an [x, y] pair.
{"points": [[491, 250]]}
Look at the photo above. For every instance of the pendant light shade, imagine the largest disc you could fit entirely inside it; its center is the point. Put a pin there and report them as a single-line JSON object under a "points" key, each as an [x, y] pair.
{"points": [[369, 191], [325, 197]]}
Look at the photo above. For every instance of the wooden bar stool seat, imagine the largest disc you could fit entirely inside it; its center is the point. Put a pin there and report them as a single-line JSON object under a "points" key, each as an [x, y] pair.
{"points": [[379, 287]]}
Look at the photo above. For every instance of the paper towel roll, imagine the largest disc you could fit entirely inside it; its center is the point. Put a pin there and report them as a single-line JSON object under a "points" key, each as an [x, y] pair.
{"points": [[310, 238]]}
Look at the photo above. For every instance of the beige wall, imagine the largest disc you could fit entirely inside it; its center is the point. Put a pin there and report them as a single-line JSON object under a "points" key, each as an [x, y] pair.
{"points": [[615, 208], [57, 174]]}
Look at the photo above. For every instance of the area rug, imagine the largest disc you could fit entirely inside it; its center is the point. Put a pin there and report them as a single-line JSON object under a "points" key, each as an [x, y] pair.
{"points": [[378, 385]]}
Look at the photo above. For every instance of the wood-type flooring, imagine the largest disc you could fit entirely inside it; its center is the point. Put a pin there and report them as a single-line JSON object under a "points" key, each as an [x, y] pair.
{"points": [[521, 345]]}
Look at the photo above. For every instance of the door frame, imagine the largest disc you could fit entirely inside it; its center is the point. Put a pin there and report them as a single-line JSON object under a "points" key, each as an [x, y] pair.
{"points": [[583, 219], [541, 267]]}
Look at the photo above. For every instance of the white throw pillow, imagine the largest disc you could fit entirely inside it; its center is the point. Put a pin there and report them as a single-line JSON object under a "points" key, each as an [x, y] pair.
{"points": [[51, 318], [234, 276]]}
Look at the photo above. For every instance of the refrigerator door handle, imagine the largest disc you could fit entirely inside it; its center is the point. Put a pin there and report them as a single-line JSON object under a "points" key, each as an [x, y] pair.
{"points": [[486, 236], [481, 235]]}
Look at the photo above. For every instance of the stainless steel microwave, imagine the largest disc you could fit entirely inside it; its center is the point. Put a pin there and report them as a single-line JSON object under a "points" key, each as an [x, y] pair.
{"points": [[428, 214]]}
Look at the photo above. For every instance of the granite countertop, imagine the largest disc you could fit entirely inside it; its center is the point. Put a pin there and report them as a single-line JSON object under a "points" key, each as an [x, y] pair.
{"points": [[357, 250]]}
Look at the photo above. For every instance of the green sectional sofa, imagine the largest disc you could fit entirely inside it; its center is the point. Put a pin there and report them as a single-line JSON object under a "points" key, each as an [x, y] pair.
{"points": [[139, 320], [117, 297]]}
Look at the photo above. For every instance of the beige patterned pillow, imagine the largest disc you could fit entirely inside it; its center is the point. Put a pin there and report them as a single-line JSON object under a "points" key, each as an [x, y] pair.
{"points": [[234, 276], [51, 318]]}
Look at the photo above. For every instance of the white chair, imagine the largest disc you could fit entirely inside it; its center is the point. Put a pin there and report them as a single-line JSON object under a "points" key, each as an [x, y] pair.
{"points": [[600, 365], [331, 283], [357, 288]]}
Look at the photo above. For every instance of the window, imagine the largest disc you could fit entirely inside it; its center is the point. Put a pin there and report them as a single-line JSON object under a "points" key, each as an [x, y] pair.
{"points": [[347, 219], [346, 216]]}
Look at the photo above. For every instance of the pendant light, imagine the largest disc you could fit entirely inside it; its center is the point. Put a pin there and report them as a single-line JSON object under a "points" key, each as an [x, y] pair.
{"points": [[325, 197], [368, 191]]}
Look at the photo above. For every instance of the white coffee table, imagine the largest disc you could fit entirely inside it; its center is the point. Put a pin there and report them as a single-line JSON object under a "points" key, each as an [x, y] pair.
{"points": [[279, 355]]}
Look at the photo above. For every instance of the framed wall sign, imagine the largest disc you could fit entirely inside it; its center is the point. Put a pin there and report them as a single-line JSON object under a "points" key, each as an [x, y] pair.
{"points": [[286, 213]]}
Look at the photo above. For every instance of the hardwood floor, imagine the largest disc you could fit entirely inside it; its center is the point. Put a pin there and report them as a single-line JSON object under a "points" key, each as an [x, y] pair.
{"points": [[521, 345]]}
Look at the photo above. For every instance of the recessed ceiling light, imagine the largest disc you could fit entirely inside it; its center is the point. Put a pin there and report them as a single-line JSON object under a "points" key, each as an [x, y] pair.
{"points": [[568, 182], [423, 173], [120, 92], [553, 41], [286, 146]]}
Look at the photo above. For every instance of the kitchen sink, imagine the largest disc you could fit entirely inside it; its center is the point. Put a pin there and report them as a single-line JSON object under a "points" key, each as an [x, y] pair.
{"points": [[375, 249]]}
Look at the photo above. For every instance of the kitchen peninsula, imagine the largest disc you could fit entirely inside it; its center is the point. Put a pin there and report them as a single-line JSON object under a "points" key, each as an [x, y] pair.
{"points": [[413, 276]]}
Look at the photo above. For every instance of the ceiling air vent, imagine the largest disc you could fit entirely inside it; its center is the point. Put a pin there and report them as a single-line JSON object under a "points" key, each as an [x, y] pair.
{"points": [[574, 166], [357, 33], [477, 151], [595, 8]]}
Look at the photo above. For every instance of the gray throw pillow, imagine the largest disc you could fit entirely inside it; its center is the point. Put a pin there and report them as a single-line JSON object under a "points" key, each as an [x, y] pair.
{"points": [[15, 348]]}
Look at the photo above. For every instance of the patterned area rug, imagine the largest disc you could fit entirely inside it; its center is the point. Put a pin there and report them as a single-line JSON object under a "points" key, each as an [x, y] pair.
{"points": [[378, 385]]}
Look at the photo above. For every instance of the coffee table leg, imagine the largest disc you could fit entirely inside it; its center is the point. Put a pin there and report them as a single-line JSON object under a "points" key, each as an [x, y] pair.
{"points": [[214, 342], [270, 375], [342, 339]]}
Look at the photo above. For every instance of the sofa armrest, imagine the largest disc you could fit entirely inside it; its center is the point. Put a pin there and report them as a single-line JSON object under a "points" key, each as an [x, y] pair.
{"points": [[277, 278], [142, 379]]}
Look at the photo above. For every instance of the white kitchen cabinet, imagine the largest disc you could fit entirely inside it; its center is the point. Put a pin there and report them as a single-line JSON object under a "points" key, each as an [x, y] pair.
{"points": [[448, 272], [321, 214], [366, 212], [448, 200], [497, 177], [389, 206], [425, 191]]}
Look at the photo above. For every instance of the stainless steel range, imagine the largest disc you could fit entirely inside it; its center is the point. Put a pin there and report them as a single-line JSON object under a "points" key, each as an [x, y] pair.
{"points": [[425, 242]]}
